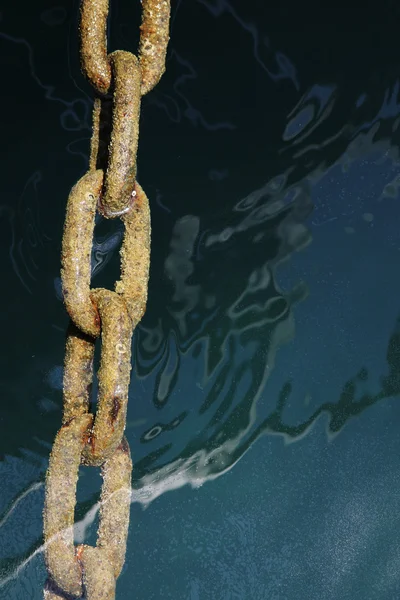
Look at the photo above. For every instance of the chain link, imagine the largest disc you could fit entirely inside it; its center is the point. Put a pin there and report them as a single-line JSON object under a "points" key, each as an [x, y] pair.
{"points": [[121, 171], [154, 36], [132, 77], [109, 187]]}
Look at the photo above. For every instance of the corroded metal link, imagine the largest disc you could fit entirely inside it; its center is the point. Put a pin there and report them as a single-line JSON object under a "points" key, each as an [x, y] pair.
{"points": [[93, 31], [114, 374], [115, 365], [84, 569], [98, 577], [121, 168], [95, 141], [131, 79], [109, 187], [135, 256], [115, 502], [78, 374], [76, 251], [60, 499], [154, 37], [153, 43]]}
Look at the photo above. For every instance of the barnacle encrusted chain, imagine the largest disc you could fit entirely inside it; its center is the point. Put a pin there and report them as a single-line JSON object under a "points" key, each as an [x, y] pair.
{"points": [[120, 80]]}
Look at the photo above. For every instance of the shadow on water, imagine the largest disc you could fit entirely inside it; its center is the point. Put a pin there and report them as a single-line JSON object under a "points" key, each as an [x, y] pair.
{"points": [[217, 315]]}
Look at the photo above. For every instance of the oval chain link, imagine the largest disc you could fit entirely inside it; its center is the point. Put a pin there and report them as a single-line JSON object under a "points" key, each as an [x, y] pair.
{"points": [[113, 191], [132, 78], [154, 36]]}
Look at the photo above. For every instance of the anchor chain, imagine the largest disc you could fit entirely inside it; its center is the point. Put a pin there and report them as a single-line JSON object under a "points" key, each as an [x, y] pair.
{"points": [[109, 187]]}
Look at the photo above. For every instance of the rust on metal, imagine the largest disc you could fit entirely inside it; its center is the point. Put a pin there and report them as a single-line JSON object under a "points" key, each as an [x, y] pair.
{"points": [[116, 405], [76, 252], [60, 499], [114, 374], [98, 577], [81, 570], [154, 37], [115, 501], [135, 256], [121, 169], [109, 187], [113, 377], [95, 141], [76, 255], [93, 44], [78, 374]]}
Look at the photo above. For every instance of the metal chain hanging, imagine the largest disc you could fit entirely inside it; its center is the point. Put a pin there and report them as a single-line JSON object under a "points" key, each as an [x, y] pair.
{"points": [[109, 187]]}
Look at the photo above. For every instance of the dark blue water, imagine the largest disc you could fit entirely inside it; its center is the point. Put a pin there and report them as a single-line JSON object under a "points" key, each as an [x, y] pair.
{"points": [[264, 401]]}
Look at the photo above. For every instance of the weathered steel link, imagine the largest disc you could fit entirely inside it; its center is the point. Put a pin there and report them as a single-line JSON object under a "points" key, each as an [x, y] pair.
{"points": [[76, 254], [98, 576], [78, 374], [154, 37], [131, 78], [121, 169], [115, 364], [93, 38], [110, 188], [58, 516], [113, 377], [62, 558], [115, 506], [135, 256], [95, 141]]}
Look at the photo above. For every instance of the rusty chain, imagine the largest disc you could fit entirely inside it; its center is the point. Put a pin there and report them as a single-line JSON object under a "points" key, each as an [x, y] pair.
{"points": [[109, 187]]}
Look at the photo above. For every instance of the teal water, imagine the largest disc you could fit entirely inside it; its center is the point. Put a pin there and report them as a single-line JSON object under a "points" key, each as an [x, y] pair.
{"points": [[263, 414]]}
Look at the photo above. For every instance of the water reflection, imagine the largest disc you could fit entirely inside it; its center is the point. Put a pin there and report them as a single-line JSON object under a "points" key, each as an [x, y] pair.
{"points": [[231, 328]]}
